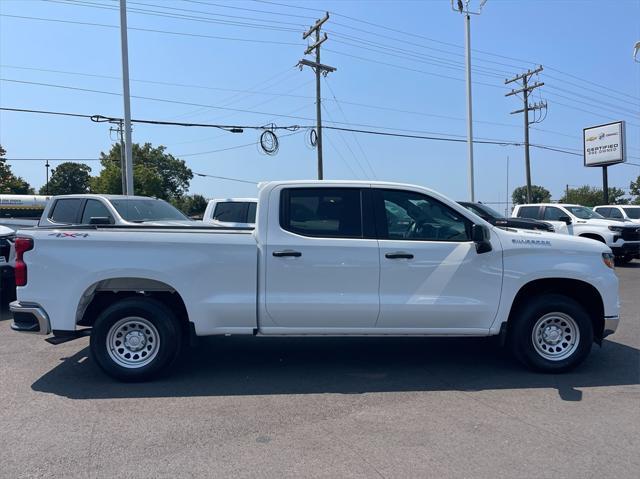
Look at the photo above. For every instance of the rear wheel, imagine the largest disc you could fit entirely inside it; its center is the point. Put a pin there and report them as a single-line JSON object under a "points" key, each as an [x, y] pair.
{"points": [[551, 333], [135, 339]]}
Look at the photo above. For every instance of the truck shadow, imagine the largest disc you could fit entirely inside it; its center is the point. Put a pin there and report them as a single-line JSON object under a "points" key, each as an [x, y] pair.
{"points": [[5, 314], [265, 366]]}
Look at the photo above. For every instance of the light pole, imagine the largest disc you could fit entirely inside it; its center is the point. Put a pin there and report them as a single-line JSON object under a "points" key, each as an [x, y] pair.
{"points": [[636, 50], [128, 157], [461, 6]]}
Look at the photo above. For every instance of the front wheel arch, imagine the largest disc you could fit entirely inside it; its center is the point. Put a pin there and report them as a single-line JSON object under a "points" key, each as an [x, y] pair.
{"points": [[580, 291]]}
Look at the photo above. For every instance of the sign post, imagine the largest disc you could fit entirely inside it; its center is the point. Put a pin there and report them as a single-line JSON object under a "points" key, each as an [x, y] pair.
{"points": [[604, 145]]}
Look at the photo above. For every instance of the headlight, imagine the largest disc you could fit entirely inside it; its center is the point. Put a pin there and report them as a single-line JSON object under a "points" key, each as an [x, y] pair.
{"points": [[608, 259], [616, 228]]}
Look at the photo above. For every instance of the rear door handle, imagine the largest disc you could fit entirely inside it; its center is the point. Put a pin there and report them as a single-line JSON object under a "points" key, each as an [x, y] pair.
{"points": [[398, 255], [287, 252]]}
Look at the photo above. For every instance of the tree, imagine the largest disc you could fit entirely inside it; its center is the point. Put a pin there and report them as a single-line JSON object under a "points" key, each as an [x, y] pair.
{"points": [[10, 183], [539, 194], [155, 173], [592, 196], [634, 188], [191, 205], [68, 179]]}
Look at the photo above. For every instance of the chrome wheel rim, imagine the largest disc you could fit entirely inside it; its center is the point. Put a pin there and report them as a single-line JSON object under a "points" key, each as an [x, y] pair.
{"points": [[555, 336], [133, 342]]}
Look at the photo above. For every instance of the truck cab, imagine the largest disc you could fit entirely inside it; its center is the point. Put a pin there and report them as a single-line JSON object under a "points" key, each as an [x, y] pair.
{"points": [[620, 212], [86, 209]]}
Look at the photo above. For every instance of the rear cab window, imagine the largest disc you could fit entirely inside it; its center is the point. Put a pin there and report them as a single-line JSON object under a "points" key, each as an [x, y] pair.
{"points": [[322, 212], [235, 212]]}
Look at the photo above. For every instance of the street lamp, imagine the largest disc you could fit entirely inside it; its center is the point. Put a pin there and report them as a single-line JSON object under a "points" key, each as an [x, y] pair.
{"points": [[461, 6], [636, 50]]}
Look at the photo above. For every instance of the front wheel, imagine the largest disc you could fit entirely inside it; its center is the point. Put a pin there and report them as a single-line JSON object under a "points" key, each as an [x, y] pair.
{"points": [[135, 339], [551, 333]]}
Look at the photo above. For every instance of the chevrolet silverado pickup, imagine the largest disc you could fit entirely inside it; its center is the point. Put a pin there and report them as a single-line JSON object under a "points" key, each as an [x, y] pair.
{"points": [[326, 258], [623, 237]]}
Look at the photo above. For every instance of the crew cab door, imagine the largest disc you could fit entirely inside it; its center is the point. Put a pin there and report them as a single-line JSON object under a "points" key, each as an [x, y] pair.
{"points": [[431, 275], [552, 214], [321, 260]]}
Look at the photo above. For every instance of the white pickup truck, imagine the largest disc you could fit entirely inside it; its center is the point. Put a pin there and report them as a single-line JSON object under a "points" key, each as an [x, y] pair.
{"points": [[326, 258], [94, 209], [623, 237]]}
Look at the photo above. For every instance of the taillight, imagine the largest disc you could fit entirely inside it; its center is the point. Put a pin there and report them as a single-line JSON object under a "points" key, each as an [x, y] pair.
{"points": [[22, 245]]}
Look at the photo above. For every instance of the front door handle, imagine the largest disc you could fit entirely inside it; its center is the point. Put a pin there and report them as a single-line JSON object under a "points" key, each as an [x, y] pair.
{"points": [[398, 255], [287, 252]]}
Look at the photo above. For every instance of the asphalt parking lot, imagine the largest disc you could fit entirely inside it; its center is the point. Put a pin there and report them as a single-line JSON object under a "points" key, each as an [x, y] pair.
{"points": [[247, 407]]}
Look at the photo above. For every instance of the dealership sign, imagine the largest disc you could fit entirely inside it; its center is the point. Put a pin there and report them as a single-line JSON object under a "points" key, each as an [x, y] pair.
{"points": [[604, 144]]}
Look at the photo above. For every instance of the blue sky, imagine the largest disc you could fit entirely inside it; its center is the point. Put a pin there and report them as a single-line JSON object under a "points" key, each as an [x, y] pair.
{"points": [[417, 85]]}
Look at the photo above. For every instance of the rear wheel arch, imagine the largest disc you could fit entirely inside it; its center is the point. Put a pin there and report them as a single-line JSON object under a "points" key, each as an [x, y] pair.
{"points": [[102, 294]]}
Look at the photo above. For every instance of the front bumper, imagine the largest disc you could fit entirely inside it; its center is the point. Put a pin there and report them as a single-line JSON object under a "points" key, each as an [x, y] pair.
{"points": [[627, 249], [610, 325], [29, 318]]}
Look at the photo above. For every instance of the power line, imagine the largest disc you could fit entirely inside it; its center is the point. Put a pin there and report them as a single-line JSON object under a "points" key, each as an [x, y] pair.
{"points": [[206, 175], [151, 30], [415, 70], [157, 13], [295, 128], [251, 91], [220, 150]]}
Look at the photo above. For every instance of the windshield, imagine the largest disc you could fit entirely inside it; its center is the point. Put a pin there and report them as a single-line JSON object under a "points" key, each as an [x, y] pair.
{"points": [[139, 210], [633, 213], [583, 213], [483, 210]]}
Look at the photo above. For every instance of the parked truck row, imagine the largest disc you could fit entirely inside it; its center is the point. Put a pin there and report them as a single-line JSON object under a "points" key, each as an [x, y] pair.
{"points": [[329, 258]]}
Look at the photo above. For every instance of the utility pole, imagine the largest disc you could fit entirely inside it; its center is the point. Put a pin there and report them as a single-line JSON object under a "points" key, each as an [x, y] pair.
{"points": [[506, 210], [319, 69], [525, 90], [120, 131], [128, 163], [463, 7], [46, 189]]}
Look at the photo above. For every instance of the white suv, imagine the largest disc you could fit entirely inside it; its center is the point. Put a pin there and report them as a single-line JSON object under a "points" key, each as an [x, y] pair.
{"points": [[622, 237], [620, 212]]}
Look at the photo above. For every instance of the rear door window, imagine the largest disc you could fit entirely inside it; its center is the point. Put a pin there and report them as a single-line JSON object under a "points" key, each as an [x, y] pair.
{"points": [[322, 212], [531, 212], [66, 210], [606, 212]]}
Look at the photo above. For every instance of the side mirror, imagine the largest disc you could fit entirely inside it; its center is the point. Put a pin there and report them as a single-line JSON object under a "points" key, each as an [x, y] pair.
{"points": [[480, 236], [100, 220], [566, 219]]}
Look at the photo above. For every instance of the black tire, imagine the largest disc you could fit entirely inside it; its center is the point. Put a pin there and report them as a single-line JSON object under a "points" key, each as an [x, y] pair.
{"points": [[153, 327], [558, 317]]}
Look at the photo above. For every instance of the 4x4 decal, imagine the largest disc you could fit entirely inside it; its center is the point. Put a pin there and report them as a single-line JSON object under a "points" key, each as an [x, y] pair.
{"points": [[69, 235]]}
